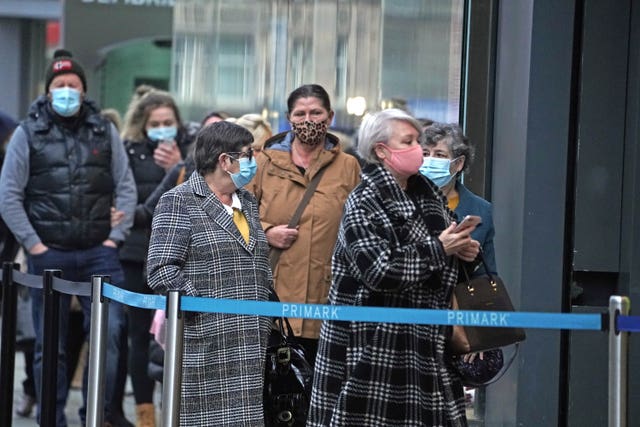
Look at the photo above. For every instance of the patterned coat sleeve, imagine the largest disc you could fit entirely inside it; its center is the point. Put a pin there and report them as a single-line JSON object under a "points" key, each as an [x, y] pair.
{"points": [[390, 251], [169, 245]]}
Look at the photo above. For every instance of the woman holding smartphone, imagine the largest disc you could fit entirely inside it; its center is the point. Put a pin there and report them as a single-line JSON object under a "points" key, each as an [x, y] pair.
{"points": [[447, 154], [155, 141]]}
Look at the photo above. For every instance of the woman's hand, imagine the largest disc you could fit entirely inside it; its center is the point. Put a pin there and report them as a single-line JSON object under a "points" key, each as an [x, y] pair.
{"points": [[470, 357], [167, 155], [454, 242], [469, 252], [281, 236], [116, 217]]}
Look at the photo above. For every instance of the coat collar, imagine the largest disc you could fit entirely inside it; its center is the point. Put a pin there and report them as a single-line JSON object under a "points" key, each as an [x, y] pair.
{"points": [[212, 206]]}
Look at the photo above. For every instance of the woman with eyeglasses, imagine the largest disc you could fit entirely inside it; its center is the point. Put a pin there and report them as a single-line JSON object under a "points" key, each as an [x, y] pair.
{"points": [[286, 167], [207, 241]]}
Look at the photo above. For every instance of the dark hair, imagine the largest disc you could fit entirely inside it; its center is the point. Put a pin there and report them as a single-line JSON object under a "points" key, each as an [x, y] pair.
{"points": [[219, 114], [215, 139], [308, 91], [455, 139]]}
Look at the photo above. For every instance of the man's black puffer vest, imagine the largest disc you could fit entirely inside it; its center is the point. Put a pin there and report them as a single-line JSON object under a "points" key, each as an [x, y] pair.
{"points": [[69, 194]]}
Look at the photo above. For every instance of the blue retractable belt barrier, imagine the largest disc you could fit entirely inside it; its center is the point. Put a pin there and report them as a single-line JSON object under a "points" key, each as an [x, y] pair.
{"points": [[629, 323], [366, 314], [133, 299]]}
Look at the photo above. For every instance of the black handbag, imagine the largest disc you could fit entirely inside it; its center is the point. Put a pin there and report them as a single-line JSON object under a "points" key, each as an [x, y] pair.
{"points": [[483, 293], [480, 372], [287, 379]]}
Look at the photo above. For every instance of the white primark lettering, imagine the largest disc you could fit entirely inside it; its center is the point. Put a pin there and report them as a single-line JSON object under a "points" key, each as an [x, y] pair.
{"points": [[285, 310], [308, 311], [325, 312], [503, 319], [477, 318], [334, 313], [485, 319]]}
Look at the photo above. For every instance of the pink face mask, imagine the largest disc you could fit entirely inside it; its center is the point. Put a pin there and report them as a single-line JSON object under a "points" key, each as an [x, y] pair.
{"points": [[404, 162]]}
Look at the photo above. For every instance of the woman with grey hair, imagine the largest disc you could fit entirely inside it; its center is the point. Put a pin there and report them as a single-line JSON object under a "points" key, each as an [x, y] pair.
{"points": [[396, 248], [447, 154]]}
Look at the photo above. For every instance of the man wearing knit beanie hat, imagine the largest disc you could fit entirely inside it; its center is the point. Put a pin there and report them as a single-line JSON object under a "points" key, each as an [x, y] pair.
{"points": [[65, 166], [63, 63], [65, 84]]}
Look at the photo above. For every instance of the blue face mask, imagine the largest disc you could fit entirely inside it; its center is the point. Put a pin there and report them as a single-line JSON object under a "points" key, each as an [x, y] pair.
{"points": [[437, 170], [162, 133], [65, 101], [246, 173]]}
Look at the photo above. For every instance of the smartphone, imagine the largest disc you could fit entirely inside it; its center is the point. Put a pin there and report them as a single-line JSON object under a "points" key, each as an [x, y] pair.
{"points": [[468, 221]]}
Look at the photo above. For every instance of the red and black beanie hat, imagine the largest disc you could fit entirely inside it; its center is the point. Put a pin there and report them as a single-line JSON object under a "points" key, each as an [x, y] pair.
{"points": [[63, 63]]}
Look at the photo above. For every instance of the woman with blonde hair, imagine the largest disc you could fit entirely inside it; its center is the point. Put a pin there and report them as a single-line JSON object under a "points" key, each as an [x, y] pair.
{"points": [[258, 126], [155, 141]]}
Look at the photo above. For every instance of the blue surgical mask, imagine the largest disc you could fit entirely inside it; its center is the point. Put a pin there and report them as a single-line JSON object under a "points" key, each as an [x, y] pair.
{"points": [[437, 170], [246, 173], [162, 133], [65, 101]]}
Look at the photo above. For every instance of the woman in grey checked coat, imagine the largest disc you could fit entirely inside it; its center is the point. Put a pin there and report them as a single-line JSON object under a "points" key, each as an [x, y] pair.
{"points": [[197, 247], [396, 248]]}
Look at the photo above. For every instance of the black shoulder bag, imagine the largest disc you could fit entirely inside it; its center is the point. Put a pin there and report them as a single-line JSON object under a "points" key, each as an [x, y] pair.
{"points": [[287, 377]]}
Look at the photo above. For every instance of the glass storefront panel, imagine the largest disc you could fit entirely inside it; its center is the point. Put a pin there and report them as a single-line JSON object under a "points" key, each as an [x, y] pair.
{"points": [[244, 56]]}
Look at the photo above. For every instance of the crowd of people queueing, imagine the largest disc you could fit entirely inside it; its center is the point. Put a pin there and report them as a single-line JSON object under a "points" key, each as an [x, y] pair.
{"points": [[158, 205]]}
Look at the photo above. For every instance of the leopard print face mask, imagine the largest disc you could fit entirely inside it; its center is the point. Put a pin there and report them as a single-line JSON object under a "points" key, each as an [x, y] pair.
{"points": [[310, 133]]}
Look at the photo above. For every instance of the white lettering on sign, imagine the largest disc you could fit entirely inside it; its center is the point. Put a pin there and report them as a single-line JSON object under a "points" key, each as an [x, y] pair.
{"points": [[308, 311], [455, 317], [159, 3]]}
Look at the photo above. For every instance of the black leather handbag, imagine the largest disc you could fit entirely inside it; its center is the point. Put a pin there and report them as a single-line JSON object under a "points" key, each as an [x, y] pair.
{"points": [[287, 379], [483, 293]]}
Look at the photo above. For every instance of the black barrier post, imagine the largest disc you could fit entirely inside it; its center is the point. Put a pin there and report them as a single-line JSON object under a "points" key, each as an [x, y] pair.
{"points": [[618, 362], [172, 376], [97, 347], [8, 340], [50, 327]]}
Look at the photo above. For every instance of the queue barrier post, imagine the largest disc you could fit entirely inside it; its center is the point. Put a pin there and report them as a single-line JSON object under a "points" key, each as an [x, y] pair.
{"points": [[50, 354], [8, 340], [172, 376], [618, 362], [97, 350]]}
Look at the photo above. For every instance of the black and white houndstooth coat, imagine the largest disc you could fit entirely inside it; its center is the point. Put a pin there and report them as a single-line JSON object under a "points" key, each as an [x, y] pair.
{"points": [[388, 254], [196, 247]]}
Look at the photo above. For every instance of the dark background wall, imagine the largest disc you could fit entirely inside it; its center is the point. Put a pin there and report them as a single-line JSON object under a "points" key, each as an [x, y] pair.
{"points": [[560, 138]]}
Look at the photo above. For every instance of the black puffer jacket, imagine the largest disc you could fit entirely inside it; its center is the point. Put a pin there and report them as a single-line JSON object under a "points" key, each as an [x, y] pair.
{"points": [[148, 176], [69, 195]]}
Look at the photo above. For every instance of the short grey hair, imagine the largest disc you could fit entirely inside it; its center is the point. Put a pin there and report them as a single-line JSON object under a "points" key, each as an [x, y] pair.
{"points": [[456, 141], [378, 127]]}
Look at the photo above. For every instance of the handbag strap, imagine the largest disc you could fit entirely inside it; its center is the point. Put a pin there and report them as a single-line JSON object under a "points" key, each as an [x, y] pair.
{"points": [[504, 369], [284, 321], [274, 255]]}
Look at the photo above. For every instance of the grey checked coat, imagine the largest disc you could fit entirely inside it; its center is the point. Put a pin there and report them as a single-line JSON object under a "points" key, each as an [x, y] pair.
{"points": [[196, 247], [388, 254]]}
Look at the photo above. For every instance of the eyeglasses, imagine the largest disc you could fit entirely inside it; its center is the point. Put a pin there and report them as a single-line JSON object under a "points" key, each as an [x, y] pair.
{"points": [[236, 155]]}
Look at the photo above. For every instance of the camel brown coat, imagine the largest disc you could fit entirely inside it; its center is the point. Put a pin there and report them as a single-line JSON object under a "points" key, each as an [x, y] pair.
{"points": [[303, 273]]}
